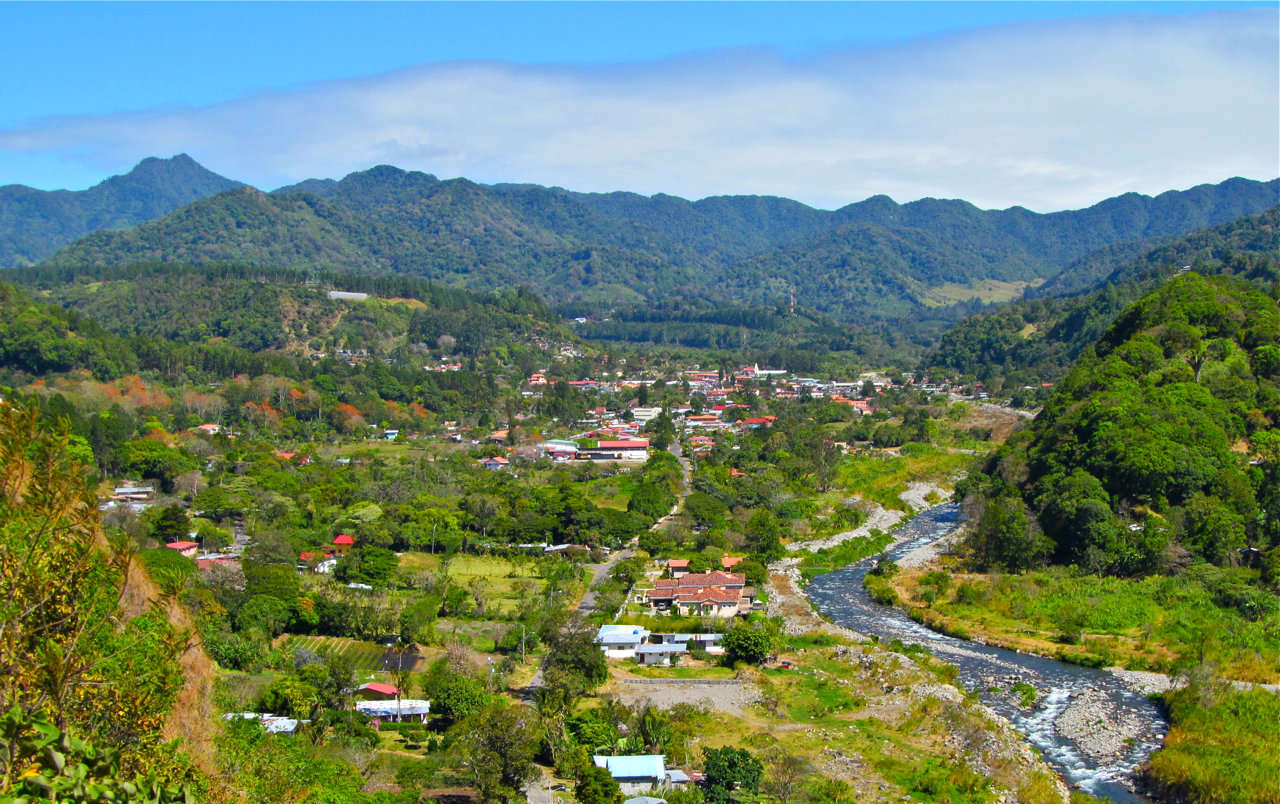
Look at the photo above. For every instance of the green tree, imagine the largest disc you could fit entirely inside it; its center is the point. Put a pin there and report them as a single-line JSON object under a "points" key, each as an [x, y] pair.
{"points": [[498, 744], [458, 697], [265, 613], [729, 769], [170, 525], [747, 643], [366, 564], [596, 786]]}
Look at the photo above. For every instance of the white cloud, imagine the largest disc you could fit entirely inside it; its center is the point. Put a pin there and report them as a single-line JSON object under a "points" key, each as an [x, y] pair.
{"points": [[1046, 115]]}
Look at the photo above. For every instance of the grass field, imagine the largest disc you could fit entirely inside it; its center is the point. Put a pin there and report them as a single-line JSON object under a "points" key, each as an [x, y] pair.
{"points": [[1155, 623], [367, 657], [881, 476], [1221, 748], [508, 580]]}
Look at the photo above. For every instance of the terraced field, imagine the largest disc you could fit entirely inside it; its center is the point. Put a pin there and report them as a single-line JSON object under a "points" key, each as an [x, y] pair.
{"points": [[367, 657]]}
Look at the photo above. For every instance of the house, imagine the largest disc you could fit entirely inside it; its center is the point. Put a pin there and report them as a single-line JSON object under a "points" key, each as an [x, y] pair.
{"points": [[342, 543], [709, 601], [286, 456], [636, 450], [729, 580], [405, 710], [729, 562], [133, 493], [496, 462], [390, 435], [271, 724], [679, 567], [376, 691], [621, 641], [210, 429], [635, 774], [659, 654], [186, 549]]}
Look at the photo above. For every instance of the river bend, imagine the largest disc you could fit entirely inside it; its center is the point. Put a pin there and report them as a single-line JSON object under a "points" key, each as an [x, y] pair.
{"points": [[1071, 696]]}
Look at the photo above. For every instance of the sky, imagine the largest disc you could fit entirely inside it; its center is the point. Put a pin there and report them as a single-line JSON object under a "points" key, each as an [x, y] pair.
{"points": [[1046, 105]]}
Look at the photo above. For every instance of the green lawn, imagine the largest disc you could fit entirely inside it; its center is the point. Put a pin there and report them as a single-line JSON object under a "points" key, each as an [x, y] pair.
{"points": [[366, 656]]}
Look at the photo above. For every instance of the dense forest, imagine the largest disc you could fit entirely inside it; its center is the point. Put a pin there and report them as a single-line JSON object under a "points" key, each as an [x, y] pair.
{"points": [[1157, 450], [874, 260], [35, 223], [1036, 339]]}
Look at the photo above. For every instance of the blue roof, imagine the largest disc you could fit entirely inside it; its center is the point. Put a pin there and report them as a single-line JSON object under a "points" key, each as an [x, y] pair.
{"points": [[647, 766], [633, 634], [676, 648]]}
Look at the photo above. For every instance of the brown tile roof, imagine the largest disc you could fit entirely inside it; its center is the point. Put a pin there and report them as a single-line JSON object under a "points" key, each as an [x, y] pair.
{"points": [[716, 578], [710, 594]]}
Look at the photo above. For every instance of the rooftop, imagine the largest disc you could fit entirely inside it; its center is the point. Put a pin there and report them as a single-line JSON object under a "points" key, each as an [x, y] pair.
{"points": [[644, 766]]}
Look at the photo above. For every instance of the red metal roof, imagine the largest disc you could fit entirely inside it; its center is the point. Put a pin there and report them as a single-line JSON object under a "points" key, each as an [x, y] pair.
{"points": [[344, 538], [384, 689]]}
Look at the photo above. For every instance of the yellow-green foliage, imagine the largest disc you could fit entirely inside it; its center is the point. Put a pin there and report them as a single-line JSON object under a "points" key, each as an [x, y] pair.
{"points": [[1221, 749], [882, 476], [1163, 623], [67, 649]]}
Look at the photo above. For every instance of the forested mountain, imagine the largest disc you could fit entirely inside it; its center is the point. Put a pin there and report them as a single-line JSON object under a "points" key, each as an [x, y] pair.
{"points": [[1159, 448], [1035, 340], [221, 321], [873, 260], [35, 223]]}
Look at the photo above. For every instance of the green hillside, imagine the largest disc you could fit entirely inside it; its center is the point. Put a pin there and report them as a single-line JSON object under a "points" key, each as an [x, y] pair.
{"points": [[873, 260], [1159, 449], [34, 223], [1036, 339]]}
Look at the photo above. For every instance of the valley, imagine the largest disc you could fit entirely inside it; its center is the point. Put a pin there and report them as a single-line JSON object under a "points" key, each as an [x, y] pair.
{"points": [[736, 492]]}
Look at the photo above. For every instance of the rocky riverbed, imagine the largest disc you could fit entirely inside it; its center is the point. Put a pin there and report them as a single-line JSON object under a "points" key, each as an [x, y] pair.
{"points": [[1095, 727]]}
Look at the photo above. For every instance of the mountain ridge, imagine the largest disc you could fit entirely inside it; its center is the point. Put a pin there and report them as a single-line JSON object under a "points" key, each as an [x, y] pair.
{"points": [[871, 260], [35, 223]]}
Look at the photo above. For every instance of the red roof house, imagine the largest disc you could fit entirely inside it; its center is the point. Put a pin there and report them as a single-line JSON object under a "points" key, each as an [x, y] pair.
{"points": [[187, 549], [343, 542], [377, 691]]}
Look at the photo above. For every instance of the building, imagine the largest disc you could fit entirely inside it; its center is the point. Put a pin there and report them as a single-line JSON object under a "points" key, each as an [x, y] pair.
{"points": [[376, 691], [637, 450], [679, 567], [709, 594], [186, 549], [635, 774], [650, 654], [405, 710], [495, 463], [342, 543], [621, 641], [271, 724]]}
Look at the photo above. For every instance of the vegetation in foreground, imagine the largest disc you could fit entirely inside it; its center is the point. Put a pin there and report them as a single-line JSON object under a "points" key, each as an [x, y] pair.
{"points": [[1221, 747], [1159, 623]]}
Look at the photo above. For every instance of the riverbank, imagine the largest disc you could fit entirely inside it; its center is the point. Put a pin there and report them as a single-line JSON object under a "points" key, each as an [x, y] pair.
{"points": [[1150, 626], [986, 742]]}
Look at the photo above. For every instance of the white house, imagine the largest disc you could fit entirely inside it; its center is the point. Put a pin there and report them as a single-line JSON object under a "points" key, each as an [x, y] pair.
{"points": [[635, 774], [621, 641]]}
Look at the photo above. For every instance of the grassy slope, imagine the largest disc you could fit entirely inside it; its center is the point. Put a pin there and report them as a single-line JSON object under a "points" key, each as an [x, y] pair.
{"points": [[1221, 749], [1156, 623]]}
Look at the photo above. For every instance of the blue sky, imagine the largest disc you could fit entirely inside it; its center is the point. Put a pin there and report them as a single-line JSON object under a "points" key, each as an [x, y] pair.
{"points": [[1049, 105]]}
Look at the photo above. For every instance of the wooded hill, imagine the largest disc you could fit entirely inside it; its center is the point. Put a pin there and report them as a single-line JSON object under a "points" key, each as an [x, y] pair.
{"points": [[1159, 448], [35, 223], [873, 260], [1035, 340], [193, 325]]}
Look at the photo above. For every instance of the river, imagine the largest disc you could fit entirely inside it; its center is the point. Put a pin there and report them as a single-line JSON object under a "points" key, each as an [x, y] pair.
{"points": [[1082, 697]]}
